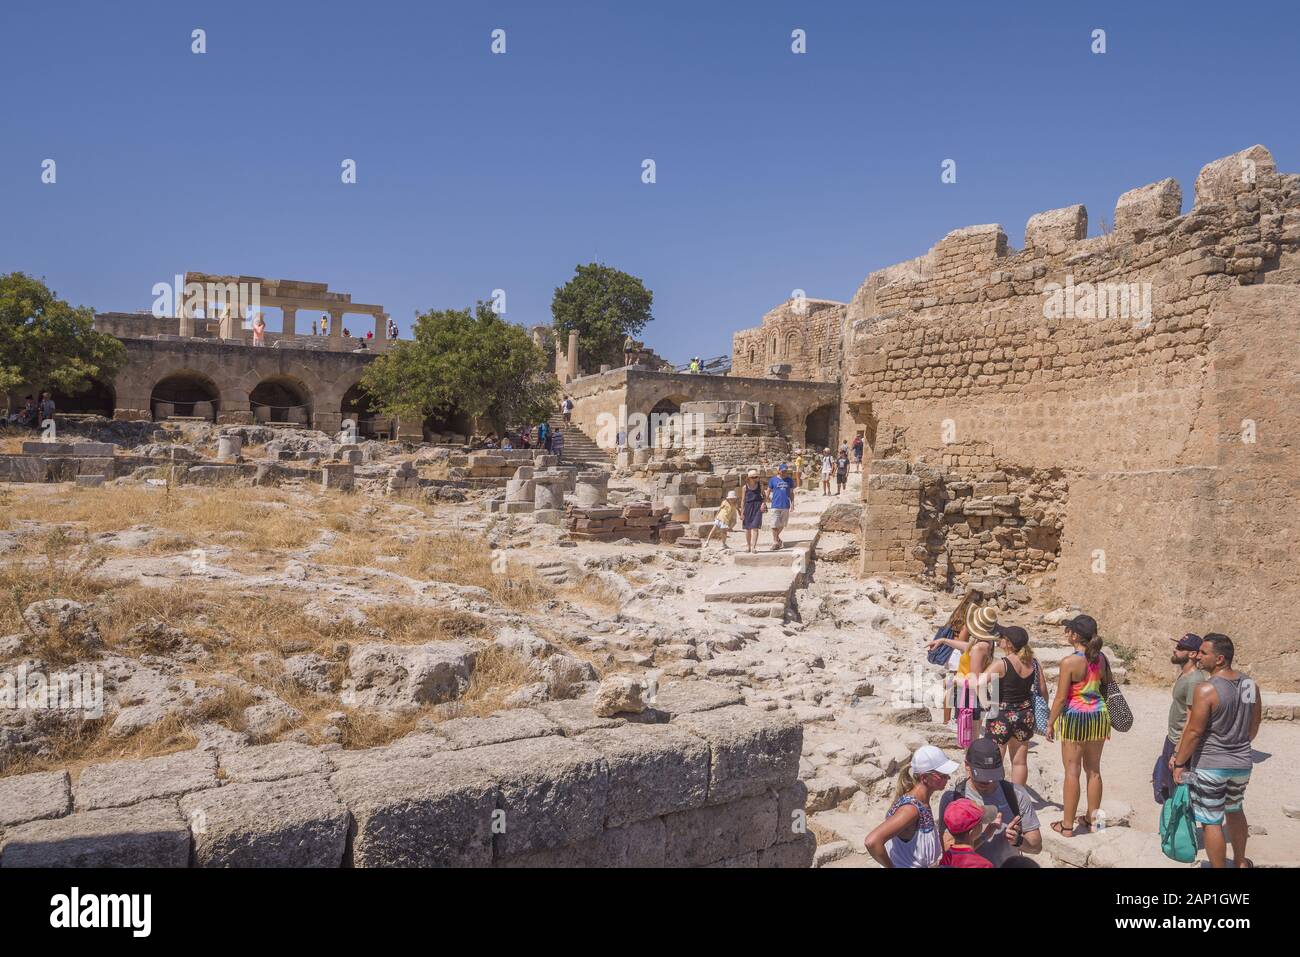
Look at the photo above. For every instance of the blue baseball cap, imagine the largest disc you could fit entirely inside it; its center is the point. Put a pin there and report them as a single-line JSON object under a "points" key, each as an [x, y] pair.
{"points": [[783, 467]]}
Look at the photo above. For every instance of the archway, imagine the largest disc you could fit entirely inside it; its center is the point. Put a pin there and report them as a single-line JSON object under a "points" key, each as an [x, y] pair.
{"points": [[281, 398], [819, 428], [185, 393], [99, 399], [356, 406], [664, 425]]}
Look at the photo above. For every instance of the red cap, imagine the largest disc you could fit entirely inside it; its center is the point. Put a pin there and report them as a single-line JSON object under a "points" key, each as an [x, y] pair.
{"points": [[961, 815]]}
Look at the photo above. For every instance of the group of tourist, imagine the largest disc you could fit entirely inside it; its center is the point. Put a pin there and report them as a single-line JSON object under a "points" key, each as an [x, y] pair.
{"points": [[988, 819], [754, 500], [32, 413], [541, 436]]}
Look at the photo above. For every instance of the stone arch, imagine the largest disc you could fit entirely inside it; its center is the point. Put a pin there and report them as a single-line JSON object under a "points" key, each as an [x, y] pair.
{"points": [[99, 399], [792, 344], [281, 398], [819, 427], [185, 392]]}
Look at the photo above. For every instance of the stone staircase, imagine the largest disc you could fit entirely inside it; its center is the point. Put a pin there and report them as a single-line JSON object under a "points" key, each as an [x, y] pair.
{"points": [[763, 584], [579, 449]]}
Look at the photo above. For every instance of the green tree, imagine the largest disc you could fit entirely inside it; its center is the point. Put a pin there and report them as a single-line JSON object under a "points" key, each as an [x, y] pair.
{"points": [[604, 306], [468, 361], [47, 344]]}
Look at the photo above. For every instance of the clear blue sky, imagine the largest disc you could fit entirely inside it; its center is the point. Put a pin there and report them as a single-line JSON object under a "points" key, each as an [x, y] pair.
{"points": [[775, 171]]}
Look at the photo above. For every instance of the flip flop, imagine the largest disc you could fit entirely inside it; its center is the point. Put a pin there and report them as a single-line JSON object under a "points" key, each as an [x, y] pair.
{"points": [[1063, 831]]}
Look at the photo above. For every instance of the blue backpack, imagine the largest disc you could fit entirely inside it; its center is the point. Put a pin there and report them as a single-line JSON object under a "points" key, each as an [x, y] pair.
{"points": [[941, 654], [1177, 827]]}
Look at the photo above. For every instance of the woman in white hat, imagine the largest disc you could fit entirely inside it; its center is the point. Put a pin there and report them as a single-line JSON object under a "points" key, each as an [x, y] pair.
{"points": [[907, 837], [976, 653]]}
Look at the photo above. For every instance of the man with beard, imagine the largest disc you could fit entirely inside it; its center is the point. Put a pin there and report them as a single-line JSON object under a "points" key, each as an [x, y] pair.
{"points": [[1189, 676]]}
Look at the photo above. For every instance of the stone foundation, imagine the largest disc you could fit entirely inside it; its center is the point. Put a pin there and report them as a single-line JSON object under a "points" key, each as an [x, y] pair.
{"points": [[700, 781]]}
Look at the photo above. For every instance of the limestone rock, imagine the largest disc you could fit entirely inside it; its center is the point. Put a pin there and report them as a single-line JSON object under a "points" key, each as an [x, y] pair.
{"points": [[402, 677], [60, 619], [620, 694]]}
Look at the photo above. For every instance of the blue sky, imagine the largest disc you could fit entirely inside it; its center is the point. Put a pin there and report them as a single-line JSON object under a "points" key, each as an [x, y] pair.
{"points": [[775, 171]]}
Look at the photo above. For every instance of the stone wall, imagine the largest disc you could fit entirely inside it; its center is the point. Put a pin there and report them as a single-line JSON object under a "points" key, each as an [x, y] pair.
{"points": [[1130, 363], [701, 780], [804, 334]]}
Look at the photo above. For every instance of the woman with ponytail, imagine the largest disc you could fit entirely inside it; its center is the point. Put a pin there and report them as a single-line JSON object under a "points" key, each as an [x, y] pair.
{"points": [[1081, 720], [1017, 674], [908, 837]]}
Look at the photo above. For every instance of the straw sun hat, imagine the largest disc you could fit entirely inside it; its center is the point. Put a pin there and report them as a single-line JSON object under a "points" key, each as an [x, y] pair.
{"points": [[982, 622]]}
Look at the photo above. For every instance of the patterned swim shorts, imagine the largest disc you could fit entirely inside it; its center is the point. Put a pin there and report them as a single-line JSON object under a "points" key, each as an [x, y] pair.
{"points": [[1216, 791], [1011, 723]]}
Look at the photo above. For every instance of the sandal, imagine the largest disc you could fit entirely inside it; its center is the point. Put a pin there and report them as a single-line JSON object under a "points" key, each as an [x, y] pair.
{"points": [[1083, 826], [1063, 831]]}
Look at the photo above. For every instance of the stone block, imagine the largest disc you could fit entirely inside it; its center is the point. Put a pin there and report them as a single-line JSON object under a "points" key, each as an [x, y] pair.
{"points": [[514, 725], [1221, 180], [750, 750], [93, 449], [637, 845], [653, 770], [1148, 206], [31, 797], [707, 835], [121, 783], [272, 762], [1052, 230], [430, 810], [37, 447], [553, 792], [90, 481], [798, 853], [293, 822], [691, 697], [149, 834]]}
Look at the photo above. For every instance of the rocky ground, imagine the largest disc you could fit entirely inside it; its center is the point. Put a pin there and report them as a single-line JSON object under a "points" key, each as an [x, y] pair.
{"points": [[221, 617]]}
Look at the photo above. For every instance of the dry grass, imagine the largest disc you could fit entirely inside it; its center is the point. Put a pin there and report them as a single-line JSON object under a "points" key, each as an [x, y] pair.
{"points": [[53, 574], [12, 439], [591, 590], [87, 742], [255, 519]]}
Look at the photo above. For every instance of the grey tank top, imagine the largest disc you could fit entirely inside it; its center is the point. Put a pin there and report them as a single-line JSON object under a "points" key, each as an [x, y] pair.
{"points": [[1227, 740]]}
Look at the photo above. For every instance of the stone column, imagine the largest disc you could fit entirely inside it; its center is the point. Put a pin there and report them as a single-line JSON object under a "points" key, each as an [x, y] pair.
{"points": [[336, 330], [381, 332], [229, 447], [573, 355], [591, 489], [289, 324]]}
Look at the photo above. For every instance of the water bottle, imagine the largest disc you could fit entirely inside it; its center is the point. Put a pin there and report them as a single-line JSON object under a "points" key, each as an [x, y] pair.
{"points": [[1099, 821]]}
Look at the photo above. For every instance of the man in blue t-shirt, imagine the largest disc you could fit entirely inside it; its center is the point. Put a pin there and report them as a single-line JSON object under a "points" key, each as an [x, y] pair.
{"points": [[781, 487]]}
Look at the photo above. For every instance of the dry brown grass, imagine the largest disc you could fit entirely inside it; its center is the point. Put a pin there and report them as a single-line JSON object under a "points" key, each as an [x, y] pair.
{"points": [[87, 742], [590, 590], [52, 574], [12, 439], [254, 519]]}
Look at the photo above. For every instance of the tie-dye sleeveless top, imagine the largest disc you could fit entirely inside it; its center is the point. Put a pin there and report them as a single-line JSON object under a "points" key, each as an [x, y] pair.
{"points": [[1085, 717]]}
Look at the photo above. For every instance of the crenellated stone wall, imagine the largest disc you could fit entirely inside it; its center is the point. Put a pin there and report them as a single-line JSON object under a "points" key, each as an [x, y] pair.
{"points": [[1153, 367], [700, 780]]}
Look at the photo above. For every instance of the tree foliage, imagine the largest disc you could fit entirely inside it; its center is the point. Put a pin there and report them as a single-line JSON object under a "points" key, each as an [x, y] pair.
{"points": [[467, 361], [604, 306], [47, 344]]}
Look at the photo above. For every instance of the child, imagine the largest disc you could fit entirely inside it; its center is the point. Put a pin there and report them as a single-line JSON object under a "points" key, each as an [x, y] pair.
{"points": [[962, 818], [724, 521]]}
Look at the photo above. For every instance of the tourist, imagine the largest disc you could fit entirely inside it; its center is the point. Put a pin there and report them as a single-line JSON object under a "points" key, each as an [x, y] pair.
{"points": [[976, 647], [46, 408], [780, 502], [908, 837], [627, 350], [841, 470], [544, 435], [1186, 655], [1016, 672], [370, 334], [1214, 754], [964, 820], [1081, 720], [347, 333], [753, 504], [798, 468], [259, 331], [506, 444], [857, 451], [525, 439], [325, 325], [956, 625], [557, 444], [1013, 828], [828, 464], [725, 520], [29, 416], [566, 409], [313, 327], [490, 441]]}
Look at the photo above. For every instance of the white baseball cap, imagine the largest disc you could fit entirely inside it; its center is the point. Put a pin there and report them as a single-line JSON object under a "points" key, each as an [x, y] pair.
{"points": [[929, 758]]}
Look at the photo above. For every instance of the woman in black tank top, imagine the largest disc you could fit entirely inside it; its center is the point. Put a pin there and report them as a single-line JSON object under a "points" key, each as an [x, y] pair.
{"points": [[1017, 674]]}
